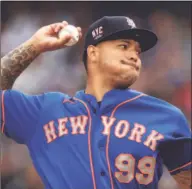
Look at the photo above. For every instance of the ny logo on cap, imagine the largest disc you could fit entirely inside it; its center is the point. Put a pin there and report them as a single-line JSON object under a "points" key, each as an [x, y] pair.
{"points": [[97, 33], [130, 22]]}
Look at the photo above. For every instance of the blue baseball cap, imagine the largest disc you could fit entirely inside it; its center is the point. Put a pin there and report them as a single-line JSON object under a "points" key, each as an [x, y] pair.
{"points": [[118, 27]]}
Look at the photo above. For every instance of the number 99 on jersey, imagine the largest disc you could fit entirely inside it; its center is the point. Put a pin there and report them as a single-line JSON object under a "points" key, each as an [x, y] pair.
{"points": [[125, 163]]}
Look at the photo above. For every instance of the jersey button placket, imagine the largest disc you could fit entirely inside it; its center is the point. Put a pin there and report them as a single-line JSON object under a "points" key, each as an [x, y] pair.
{"points": [[94, 110], [101, 148], [102, 173]]}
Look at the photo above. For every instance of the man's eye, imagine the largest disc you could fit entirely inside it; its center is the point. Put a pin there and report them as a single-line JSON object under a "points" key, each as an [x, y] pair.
{"points": [[123, 46]]}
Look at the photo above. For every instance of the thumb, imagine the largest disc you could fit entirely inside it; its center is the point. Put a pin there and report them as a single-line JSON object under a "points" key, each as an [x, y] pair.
{"points": [[63, 39]]}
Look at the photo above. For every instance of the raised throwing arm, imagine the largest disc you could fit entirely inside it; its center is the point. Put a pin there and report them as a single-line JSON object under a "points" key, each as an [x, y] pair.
{"points": [[45, 39]]}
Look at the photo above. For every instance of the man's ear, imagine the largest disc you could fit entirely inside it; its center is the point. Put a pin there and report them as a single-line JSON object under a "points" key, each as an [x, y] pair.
{"points": [[92, 53]]}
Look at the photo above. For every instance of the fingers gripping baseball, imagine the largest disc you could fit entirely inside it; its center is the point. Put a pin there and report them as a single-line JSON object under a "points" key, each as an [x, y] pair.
{"points": [[47, 39]]}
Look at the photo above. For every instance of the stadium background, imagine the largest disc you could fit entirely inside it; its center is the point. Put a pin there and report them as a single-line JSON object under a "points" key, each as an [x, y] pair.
{"points": [[165, 74]]}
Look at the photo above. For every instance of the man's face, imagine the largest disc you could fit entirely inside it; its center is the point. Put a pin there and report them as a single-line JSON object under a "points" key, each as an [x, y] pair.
{"points": [[119, 61]]}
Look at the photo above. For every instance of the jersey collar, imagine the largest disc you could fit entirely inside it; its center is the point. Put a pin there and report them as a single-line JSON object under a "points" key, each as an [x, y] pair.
{"points": [[110, 99]]}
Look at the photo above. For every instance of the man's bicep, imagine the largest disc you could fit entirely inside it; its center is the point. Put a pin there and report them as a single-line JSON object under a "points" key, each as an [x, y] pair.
{"points": [[20, 114]]}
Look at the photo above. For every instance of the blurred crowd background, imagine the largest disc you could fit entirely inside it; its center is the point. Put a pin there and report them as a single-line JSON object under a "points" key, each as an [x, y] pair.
{"points": [[166, 68]]}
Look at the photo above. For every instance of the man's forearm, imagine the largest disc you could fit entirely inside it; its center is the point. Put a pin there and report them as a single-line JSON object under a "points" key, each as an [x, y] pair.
{"points": [[15, 62], [184, 179]]}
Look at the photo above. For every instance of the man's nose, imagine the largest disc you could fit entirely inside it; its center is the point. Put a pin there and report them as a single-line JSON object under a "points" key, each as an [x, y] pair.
{"points": [[133, 56]]}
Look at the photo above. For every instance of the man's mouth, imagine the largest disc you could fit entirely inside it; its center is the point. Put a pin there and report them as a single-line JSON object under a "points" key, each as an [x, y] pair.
{"points": [[130, 64]]}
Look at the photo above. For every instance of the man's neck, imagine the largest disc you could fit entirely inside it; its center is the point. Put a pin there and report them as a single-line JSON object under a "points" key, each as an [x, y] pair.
{"points": [[98, 92], [97, 88]]}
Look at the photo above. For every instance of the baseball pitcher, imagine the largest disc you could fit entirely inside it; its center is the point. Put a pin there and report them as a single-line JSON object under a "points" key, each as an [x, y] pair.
{"points": [[106, 136]]}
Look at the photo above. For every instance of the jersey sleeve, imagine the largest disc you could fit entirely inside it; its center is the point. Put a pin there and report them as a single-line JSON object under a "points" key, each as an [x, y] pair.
{"points": [[20, 114], [175, 150]]}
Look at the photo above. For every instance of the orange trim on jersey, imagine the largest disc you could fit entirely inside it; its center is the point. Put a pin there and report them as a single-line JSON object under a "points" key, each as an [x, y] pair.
{"points": [[108, 137], [108, 161], [180, 167], [126, 101], [89, 142], [67, 100], [3, 111]]}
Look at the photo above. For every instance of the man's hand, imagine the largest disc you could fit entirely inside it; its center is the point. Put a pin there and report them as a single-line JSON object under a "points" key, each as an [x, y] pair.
{"points": [[46, 38]]}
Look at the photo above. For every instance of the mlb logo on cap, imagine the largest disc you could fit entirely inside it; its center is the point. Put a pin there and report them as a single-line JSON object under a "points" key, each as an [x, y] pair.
{"points": [[130, 22]]}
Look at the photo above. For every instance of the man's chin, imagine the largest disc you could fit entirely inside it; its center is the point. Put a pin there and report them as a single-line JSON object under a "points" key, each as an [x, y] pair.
{"points": [[124, 84]]}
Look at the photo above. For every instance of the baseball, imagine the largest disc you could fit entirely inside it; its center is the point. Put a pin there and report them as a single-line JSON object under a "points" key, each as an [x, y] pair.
{"points": [[72, 30]]}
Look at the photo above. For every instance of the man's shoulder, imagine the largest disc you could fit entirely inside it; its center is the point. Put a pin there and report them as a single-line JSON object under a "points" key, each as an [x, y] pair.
{"points": [[55, 97], [55, 94], [159, 104]]}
